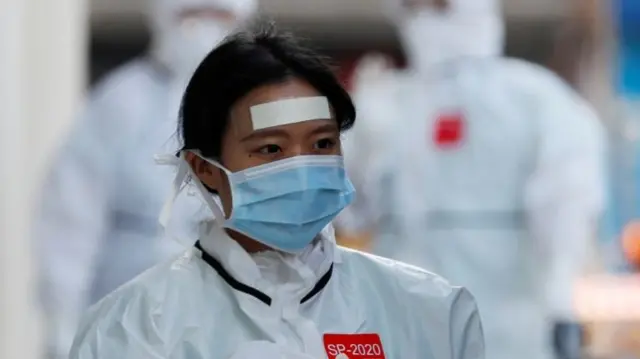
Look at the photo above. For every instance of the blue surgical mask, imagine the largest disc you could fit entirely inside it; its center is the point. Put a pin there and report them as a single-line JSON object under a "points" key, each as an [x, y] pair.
{"points": [[285, 204]]}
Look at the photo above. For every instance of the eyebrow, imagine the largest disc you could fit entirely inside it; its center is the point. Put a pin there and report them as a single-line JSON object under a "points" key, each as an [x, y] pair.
{"points": [[264, 133], [282, 133], [329, 127]]}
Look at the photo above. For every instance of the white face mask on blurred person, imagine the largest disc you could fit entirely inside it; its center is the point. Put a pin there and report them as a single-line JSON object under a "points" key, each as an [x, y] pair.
{"points": [[185, 31], [431, 36], [186, 44]]}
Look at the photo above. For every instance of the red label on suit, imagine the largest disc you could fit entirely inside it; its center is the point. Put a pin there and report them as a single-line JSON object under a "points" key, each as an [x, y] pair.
{"points": [[353, 346], [449, 130]]}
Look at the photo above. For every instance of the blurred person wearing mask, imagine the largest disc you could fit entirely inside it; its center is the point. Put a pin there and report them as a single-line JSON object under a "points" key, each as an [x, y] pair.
{"points": [[367, 223], [266, 278], [491, 173], [97, 227]]}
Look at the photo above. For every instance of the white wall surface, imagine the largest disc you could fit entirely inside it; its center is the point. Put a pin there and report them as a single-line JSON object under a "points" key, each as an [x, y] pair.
{"points": [[42, 72]]}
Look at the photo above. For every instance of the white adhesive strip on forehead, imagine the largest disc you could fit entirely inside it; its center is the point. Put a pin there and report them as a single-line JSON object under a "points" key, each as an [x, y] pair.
{"points": [[289, 111]]}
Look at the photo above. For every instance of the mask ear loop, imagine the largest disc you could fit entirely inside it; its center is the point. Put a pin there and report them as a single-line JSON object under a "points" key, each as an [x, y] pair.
{"points": [[208, 198], [184, 173]]}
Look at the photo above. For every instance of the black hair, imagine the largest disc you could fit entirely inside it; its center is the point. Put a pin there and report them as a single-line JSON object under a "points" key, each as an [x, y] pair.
{"points": [[243, 62]]}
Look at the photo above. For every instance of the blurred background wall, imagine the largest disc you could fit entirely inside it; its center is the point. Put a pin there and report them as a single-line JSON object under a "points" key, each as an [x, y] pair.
{"points": [[343, 29], [42, 78]]}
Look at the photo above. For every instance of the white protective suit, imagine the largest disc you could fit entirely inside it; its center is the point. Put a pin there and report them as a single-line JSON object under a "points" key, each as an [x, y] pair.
{"points": [[217, 301], [97, 227], [505, 203]]}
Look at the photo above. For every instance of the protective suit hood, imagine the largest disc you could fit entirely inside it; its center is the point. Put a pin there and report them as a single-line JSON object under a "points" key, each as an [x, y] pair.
{"points": [[218, 302], [266, 270], [466, 28], [181, 46]]}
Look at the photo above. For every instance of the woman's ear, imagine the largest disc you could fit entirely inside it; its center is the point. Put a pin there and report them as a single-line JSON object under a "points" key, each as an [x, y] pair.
{"points": [[207, 173]]}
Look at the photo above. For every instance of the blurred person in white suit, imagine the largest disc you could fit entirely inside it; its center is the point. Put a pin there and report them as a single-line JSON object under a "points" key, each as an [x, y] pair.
{"points": [[97, 226], [366, 222], [491, 172]]}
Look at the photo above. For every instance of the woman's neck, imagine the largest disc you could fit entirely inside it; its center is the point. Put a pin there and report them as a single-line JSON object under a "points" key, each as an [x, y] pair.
{"points": [[248, 244]]}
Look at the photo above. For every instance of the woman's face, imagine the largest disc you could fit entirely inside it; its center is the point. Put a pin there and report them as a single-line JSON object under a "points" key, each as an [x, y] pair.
{"points": [[243, 147]]}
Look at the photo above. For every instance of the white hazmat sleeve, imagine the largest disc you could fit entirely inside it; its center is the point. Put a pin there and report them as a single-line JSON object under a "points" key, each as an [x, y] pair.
{"points": [[566, 193], [466, 328], [72, 220]]}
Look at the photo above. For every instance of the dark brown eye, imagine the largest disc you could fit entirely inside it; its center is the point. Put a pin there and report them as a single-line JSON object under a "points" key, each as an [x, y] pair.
{"points": [[325, 143], [270, 149]]}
